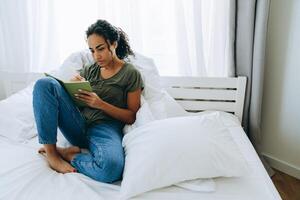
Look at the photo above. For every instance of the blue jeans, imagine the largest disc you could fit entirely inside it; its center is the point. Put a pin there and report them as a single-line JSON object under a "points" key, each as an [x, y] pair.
{"points": [[53, 108]]}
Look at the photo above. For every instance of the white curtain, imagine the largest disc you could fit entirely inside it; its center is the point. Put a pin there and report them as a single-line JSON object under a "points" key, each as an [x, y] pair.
{"points": [[27, 36], [184, 37]]}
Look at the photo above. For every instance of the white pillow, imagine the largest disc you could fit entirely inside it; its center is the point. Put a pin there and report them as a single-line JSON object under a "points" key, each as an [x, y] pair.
{"points": [[17, 119], [165, 152], [73, 63], [16, 116], [143, 116], [228, 119], [199, 185], [171, 106]]}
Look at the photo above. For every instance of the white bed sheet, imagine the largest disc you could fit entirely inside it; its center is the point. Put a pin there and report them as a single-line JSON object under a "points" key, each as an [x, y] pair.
{"points": [[24, 174]]}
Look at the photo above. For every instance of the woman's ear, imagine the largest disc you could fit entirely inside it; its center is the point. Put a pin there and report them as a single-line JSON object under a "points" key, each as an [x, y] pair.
{"points": [[115, 45]]}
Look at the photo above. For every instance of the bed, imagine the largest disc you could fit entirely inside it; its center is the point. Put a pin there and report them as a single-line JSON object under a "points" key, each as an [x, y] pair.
{"points": [[24, 174]]}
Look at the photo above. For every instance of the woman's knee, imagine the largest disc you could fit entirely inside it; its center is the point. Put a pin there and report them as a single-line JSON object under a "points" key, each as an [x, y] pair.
{"points": [[44, 83]]}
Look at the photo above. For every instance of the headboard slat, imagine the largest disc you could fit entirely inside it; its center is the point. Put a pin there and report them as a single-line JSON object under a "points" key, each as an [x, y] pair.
{"points": [[207, 105], [205, 94], [204, 82], [199, 93]]}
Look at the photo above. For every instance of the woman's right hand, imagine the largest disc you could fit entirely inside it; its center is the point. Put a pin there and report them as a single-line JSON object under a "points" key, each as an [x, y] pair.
{"points": [[77, 77]]}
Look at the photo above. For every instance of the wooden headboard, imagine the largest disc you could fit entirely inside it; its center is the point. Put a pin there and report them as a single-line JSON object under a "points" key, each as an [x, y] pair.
{"points": [[196, 94]]}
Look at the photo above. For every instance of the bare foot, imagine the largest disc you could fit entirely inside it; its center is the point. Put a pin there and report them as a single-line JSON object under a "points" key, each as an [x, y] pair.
{"points": [[57, 163], [66, 153]]}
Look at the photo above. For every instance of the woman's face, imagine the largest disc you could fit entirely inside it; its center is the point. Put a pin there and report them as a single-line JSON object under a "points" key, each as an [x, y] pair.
{"points": [[100, 50]]}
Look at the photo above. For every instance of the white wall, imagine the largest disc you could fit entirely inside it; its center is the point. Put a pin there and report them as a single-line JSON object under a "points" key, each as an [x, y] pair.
{"points": [[12, 82], [281, 100]]}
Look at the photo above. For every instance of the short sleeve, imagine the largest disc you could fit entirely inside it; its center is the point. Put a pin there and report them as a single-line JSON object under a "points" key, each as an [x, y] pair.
{"points": [[85, 72], [135, 81]]}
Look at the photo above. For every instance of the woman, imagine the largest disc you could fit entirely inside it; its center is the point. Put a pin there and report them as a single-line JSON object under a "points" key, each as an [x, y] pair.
{"points": [[115, 99]]}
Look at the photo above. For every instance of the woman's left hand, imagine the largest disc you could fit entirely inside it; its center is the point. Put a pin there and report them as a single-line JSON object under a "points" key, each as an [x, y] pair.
{"points": [[90, 98]]}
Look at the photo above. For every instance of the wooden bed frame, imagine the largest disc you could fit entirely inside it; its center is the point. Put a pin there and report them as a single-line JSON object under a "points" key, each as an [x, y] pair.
{"points": [[193, 93]]}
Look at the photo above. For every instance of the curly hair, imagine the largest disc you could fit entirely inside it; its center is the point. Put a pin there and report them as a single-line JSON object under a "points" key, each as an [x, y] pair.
{"points": [[111, 34]]}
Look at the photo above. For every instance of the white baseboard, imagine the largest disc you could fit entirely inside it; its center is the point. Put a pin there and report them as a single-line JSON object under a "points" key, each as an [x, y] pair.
{"points": [[283, 166]]}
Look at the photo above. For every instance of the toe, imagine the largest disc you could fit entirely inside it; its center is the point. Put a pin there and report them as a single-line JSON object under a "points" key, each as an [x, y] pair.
{"points": [[42, 150]]}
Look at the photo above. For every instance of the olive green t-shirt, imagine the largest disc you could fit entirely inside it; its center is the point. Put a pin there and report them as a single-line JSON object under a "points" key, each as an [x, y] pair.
{"points": [[112, 90]]}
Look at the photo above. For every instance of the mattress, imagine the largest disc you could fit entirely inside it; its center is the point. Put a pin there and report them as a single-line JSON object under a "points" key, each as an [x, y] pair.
{"points": [[25, 174]]}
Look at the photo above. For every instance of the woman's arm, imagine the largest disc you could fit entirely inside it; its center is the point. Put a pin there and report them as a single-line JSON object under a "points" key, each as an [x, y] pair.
{"points": [[125, 115]]}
